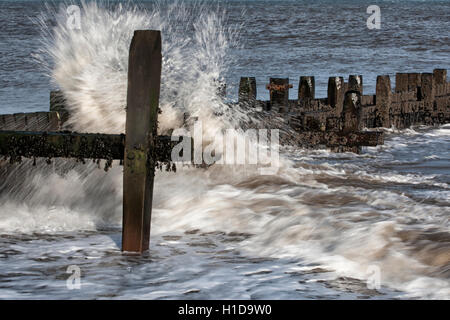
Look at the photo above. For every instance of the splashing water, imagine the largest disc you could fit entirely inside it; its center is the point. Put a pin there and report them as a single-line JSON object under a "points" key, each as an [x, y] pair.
{"points": [[338, 215]]}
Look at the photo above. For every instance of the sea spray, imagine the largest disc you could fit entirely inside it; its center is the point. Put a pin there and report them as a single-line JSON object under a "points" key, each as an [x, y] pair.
{"points": [[90, 65]]}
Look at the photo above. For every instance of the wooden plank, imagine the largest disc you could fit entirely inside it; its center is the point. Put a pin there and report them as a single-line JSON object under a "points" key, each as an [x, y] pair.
{"points": [[306, 88], [336, 93], [61, 145], [351, 110], [355, 83], [144, 76], [383, 99], [75, 145], [34, 121], [279, 94], [247, 91]]}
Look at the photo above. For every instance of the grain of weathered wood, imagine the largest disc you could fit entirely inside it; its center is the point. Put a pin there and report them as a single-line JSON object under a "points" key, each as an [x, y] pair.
{"points": [[279, 98], [247, 91], [306, 88], [144, 76], [336, 93], [383, 99], [33, 121]]}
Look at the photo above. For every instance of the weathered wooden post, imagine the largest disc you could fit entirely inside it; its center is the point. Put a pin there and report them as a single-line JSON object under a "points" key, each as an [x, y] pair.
{"points": [[279, 94], [355, 83], [427, 92], [440, 76], [441, 104], [306, 88], [144, 76], [351, 111], [414, 81], [401, 82], [383, 99], [336, 93], [247, 91], [427, 87]]}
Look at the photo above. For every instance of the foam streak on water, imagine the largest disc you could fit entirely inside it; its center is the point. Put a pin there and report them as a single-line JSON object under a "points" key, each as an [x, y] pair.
{"points": [[314, 230]]}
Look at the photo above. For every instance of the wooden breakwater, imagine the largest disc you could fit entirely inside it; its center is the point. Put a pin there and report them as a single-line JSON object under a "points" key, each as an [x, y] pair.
{"points": [[418, 99], [340, 120], [336, 121]]}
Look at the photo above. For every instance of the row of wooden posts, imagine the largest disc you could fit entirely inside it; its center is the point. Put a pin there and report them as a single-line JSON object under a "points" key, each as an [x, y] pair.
{"points": [[418, 99], [279, 87]]}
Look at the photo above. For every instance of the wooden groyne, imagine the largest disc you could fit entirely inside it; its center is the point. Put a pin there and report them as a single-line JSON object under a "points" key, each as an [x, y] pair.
{"points": [[418, 99], [337, 122]]}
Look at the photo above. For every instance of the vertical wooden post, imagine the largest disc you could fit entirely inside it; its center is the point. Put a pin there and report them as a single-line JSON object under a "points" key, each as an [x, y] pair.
{"points": [[414, 81], [427, 91], [336, 93], [306, 88], [401, 82], [383, 99], [440, 76], [247, 91], [355, 83], [279, 99], [144, 77], [351, 111]]}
